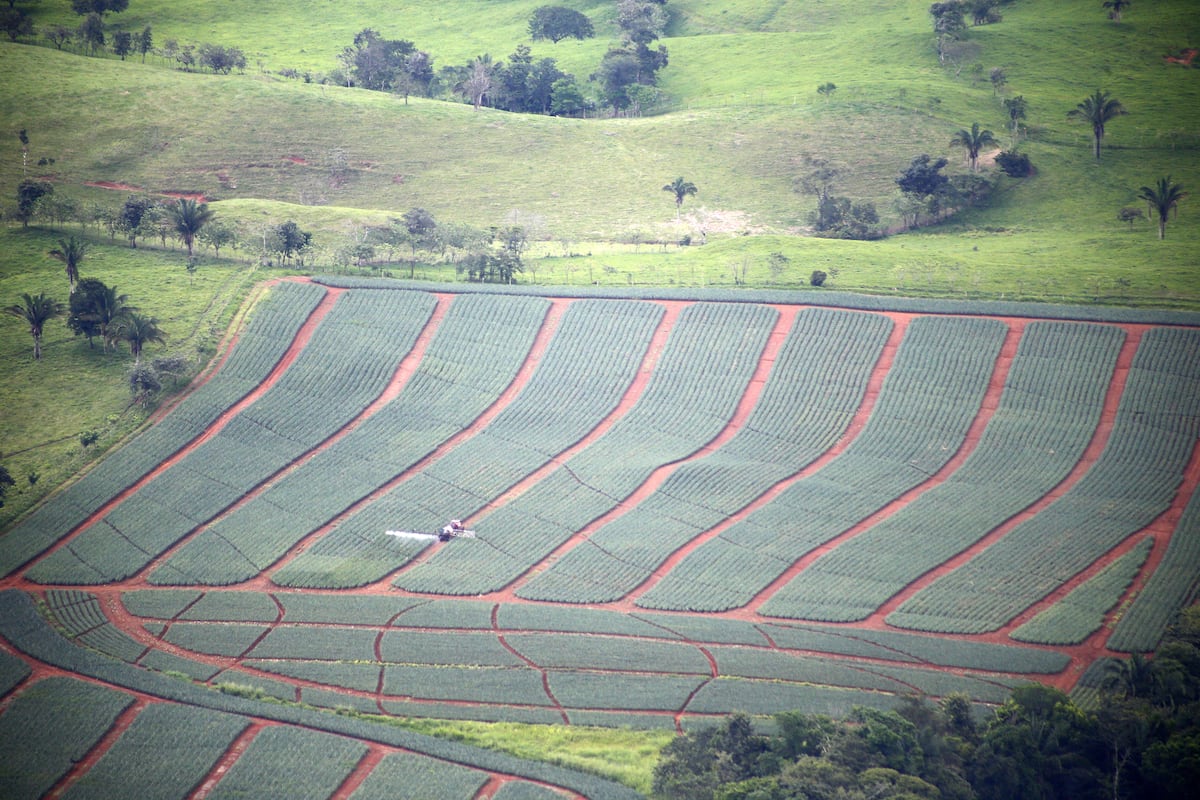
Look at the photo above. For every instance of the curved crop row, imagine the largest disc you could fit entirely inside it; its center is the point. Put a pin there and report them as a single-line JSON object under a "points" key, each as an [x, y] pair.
{"points": [[570, 392], [1051, 404], [270, 331], [812, 393], [348, 362], [925, 407], [1133, 481], [710, 356], [475, 353], [1170, 588]]}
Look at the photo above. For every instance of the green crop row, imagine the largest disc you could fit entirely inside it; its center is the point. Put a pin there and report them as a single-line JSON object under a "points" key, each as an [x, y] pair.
{"points": [[166, 752], [1134, 480], [12, 671], [702, 373], [21, 627], [49, 727], [475, 353], [928, 401], [1081, 613], [1170, 588], [268, 334], [286, 761], [1045, 419], [569, 393], [347, 363], [812, 393], [420, 776]]}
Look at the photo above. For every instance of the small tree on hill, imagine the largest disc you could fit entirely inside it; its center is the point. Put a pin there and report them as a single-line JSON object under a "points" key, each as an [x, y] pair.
{"points": [[70, 252], [973, 141], [1096, 110], [1115, 7], [558, 22], [187, 218], [1161, 198], [36, 310], [28, 193], [681, 189]]}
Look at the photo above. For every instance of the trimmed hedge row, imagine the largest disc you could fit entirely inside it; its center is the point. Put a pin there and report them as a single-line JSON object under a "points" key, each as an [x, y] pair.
{"points": [[820, 297]]}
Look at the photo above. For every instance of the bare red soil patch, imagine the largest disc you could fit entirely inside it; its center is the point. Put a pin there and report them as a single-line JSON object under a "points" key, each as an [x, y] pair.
{"points": [[199, 197], [1184, 57]]}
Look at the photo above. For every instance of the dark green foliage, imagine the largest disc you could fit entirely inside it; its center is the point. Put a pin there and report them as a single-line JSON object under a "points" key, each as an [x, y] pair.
{"points": [[85, 7], [925, 187], [1014, 164], [818, 277], [558, 22], [841, 218], [374, 62], [6, 481], [28, 193]]}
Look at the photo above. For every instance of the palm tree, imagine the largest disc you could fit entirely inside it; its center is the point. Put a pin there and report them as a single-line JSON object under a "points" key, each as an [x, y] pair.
{"points": [[1096, 110], [138, 331], [188, 217], [973, 141], [1161, 198], [1115, 8], [37, 311], [110, 308], [70, 252], [681, 189], [1016, 108]]}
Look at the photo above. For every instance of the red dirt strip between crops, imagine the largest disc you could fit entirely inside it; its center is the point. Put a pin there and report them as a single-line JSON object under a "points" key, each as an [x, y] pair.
{"points": [[299, 342], [541, 341], [745, 406], [400, 378], [987, 407], [1095, 447], [97, 751], [243, 741], [882, 366]]}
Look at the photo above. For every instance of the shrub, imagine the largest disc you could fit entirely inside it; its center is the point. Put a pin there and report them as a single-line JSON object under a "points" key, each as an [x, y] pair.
{"points": [[1014, 164], [818, 278]]}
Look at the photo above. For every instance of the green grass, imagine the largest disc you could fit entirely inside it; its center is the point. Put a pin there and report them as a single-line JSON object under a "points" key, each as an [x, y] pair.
{"points": [[624, 755]]}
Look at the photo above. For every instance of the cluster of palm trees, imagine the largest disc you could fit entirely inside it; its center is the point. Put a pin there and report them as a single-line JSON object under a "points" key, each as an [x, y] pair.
{"points": [[110, 314]]}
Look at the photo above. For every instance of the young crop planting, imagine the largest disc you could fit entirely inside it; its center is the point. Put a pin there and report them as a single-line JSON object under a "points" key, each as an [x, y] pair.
{"points": [[814, 389], [286, 761], [166, 752], [343, 368], [1171, 587], [1133, 481], [940, 372], [475, 352], [1081, 613], [700, 376], [1052, 399], [50, 726]]}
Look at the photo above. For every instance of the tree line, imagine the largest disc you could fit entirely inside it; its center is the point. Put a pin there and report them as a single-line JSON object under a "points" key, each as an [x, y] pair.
{"points": [[624, 80]]}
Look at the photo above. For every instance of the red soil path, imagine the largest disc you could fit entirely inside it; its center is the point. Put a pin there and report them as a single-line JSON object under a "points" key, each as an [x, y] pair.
{"points": [[82, 766], [125, 187]]}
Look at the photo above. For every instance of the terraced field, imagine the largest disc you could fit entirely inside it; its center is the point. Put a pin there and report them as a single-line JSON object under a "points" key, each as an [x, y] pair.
{"points": [[684, 506]]}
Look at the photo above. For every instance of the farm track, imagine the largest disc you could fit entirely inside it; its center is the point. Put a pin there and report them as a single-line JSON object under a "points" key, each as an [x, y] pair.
{"points": [[234, 668]]}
